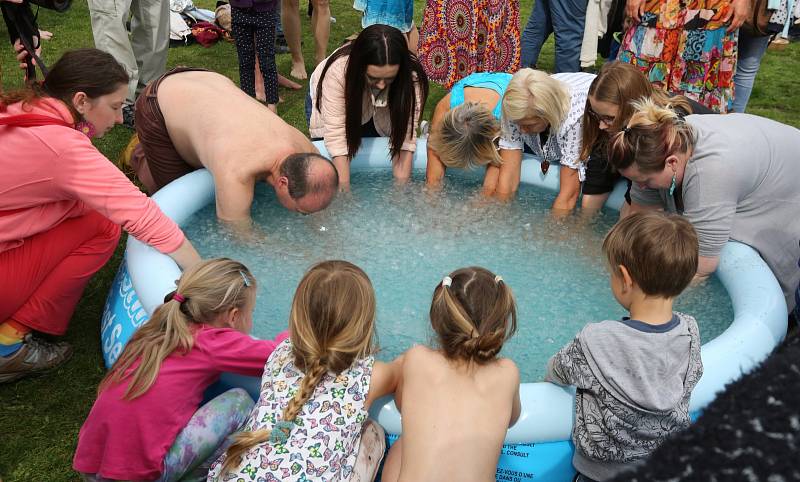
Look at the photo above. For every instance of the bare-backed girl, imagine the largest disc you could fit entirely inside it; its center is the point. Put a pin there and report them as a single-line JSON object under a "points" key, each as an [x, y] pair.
{"points": [[458, 400]]}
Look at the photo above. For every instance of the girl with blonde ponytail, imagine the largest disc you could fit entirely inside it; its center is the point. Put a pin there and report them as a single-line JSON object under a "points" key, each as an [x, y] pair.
{"points": [[147, 422], [310, 421], [458, 401]]}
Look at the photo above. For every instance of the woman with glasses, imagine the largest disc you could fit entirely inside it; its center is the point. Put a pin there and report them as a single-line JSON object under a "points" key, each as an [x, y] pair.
{"points": [[378, 69], [465, 133], [608, 109], [544, 113]]}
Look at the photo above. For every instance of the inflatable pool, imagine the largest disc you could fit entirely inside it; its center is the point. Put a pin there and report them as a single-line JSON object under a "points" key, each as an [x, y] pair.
{"points": [[538, 446]]}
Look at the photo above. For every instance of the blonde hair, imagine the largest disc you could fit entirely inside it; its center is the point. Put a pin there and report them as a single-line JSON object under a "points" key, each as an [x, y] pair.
{"points": [[209, 289], [652, 134], [465, 137], [473, 314], [331, 325], [533, 93], [658, 250]]}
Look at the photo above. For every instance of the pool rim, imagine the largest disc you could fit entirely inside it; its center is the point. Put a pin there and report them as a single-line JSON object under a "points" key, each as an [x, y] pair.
{"points": [[758, 303]]}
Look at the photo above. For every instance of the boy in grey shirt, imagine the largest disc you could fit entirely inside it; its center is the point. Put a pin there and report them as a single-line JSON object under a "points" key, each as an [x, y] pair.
{"points": [[634, 376]]}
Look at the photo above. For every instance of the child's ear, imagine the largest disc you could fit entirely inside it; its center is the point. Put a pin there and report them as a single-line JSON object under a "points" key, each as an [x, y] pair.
{"points": [[627, 281], [230, 317]]}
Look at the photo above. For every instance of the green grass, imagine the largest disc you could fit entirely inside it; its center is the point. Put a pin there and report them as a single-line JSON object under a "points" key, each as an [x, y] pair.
{"points": [[42, 416]]}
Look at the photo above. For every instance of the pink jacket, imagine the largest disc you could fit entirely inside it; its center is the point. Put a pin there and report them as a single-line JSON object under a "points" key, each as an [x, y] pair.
{"points": [[329, 124], [52, 173]]}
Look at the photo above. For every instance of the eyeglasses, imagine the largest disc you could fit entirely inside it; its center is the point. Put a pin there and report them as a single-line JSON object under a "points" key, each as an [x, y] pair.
{"points": [[605, 119]]}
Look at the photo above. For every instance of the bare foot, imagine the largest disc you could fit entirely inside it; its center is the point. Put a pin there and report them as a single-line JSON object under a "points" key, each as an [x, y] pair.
{"points": [[45, 35], [288, 83], [299, 71]]}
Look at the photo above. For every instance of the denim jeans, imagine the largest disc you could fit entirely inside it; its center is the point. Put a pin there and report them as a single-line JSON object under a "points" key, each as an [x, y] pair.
{"points": [[565, 19], [751, 51]]}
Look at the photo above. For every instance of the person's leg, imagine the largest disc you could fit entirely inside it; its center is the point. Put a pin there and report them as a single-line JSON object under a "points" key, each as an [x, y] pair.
{"points": [[536, 32], [391, 468], [150, 39], [751, 51], [370, 452], [108, 28], [321, 23], [265, 46], [413, 39], [243, 31], [568, 17], [204, 438], [290, 19]]}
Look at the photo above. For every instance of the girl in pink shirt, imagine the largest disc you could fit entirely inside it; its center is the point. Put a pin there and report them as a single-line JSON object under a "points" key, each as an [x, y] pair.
{"points": [[62, 204], [145, 424]]}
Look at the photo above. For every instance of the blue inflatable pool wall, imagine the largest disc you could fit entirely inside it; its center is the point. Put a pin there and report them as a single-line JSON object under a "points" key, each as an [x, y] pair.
{"points": [[538, 446]]}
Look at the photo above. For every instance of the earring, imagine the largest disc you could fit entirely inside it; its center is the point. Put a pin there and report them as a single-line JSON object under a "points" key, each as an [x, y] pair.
{"points": [[673, 185], [87, 128]]}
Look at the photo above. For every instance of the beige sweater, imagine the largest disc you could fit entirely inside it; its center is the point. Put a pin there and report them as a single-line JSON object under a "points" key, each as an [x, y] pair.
{"points": [[329, 121]]}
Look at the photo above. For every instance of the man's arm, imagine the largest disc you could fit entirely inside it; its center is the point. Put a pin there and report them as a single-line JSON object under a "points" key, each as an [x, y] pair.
{"points": [[234, 198]]}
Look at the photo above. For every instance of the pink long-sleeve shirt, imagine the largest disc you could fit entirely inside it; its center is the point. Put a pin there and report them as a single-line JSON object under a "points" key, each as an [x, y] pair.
{"points": [[128, 439], [52, 173]]}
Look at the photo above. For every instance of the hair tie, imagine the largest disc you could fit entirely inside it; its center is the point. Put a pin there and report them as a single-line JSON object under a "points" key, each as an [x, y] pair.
{"points": [[626, 129], [280, 432], [245, 279], [178, 297], [498, 279], [447, 282]]}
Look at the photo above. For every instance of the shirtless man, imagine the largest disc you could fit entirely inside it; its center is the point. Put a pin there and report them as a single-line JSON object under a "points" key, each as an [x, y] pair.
{"points": [[190, 119]]}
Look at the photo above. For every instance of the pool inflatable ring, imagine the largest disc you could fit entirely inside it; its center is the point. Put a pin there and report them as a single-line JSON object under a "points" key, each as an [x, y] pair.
{"points": [[538, 446]]}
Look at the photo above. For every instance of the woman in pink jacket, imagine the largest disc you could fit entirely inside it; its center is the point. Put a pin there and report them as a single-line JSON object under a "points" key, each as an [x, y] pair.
{"points": [[62, 204], [378, 69]]}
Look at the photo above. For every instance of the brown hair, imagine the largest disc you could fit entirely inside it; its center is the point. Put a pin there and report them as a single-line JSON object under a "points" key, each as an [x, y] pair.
{"points": [[331, 325], [658, 250], [465, 137], [473, 316], [652, 134], [210, 289], [619, 83], [91, 71]]}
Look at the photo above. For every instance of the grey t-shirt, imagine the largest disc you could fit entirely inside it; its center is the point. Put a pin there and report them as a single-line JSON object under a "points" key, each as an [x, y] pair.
{"points": [[742, 183]]}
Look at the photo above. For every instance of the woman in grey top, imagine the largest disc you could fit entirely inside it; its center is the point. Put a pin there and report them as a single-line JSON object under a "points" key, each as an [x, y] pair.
{"points": [[734, 177]]}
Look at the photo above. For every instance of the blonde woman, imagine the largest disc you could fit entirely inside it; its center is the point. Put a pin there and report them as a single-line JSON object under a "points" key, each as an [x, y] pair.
{"points": [[544, 113], [147, 423], [317, 387], [734, 177], [465, 131]]}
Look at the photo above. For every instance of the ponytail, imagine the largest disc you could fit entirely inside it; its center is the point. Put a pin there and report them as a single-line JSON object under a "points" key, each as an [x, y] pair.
{"points": [[652, 134], [204, 292]]}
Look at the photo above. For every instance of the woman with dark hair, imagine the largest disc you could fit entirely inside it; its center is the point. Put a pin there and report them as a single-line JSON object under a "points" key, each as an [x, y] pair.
{"points": [[62, 204], [733, 176], [377, 68], [608, 109]]}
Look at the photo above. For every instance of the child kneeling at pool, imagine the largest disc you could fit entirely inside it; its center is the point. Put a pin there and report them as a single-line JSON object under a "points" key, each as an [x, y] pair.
{"points": [[145, 424], [634, 376], [458, 401], [317, 389]]}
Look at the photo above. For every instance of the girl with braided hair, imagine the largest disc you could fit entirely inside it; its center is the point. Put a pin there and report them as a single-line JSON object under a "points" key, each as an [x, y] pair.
{"points": [[317, 387], [458, 400], [147, 422]]}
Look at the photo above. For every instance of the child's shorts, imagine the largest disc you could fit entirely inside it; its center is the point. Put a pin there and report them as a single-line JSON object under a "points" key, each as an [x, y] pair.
{"points": [[370, 452], [396, 13]]}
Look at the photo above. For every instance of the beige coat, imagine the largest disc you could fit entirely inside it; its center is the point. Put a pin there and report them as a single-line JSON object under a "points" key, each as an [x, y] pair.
{"points": [[329, 124]]}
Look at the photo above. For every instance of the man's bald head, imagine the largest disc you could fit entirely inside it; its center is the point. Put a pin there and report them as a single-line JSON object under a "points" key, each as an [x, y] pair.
{"points": [[311, 180]]}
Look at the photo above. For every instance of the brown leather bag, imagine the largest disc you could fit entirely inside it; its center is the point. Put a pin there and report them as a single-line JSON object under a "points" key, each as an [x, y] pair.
{"points": [[758, 20]]}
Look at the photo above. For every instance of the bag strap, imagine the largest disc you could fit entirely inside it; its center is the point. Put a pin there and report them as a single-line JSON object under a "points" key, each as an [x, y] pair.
{"points": [[32, 120]]}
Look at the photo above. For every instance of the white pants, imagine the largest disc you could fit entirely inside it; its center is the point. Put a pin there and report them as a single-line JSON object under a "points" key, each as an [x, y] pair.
{"points": [[144, 53]]}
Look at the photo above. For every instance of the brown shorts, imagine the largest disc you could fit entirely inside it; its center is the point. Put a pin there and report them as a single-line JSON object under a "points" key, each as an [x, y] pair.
{"points": [[161, 163]]}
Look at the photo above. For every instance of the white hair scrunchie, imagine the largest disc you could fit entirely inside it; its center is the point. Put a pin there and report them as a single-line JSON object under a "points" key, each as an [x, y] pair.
{"points": [[447, 281]]}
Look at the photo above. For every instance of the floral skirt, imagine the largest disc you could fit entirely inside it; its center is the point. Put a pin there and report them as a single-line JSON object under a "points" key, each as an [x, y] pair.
{"points": [[459, 37], [682, 47]]}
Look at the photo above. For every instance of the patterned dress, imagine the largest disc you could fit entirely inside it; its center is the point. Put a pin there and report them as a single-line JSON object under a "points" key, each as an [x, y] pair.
{"points": [[459, 37], [324, 442], [682, 47]]}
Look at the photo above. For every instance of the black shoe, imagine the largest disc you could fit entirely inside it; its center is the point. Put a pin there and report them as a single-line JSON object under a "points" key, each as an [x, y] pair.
{"points": [[128, 116]]}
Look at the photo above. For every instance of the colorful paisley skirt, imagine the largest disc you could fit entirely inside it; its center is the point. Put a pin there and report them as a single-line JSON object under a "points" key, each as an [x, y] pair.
{"points": [[459, 37], [682, 47]]}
